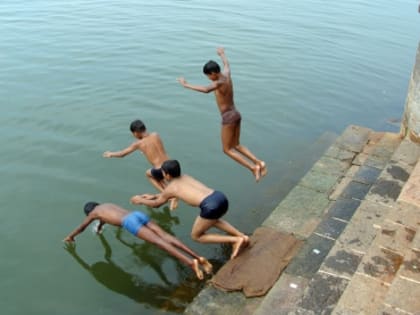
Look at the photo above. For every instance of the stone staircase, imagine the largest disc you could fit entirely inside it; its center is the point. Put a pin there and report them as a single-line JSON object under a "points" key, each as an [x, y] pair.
{"points": [[362, 257], [361, 253]]}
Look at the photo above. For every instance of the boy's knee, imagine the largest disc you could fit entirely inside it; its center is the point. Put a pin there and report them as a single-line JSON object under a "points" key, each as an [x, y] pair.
{"points": [[149, 173], [195, 236]]}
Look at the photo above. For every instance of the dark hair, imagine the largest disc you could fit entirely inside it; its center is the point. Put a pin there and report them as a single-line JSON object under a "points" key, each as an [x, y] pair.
{"points": [[211, 67], [172, 168], [138, 126], [89, 206]]}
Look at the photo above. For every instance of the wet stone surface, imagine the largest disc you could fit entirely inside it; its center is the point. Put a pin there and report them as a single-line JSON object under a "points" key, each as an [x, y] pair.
{"points": [[367, 175], [381, 264], [385, 191], [355, 190], [398, 173], [343, 209], [306, 263], [341, 262], [323, 293], [330, 228]]}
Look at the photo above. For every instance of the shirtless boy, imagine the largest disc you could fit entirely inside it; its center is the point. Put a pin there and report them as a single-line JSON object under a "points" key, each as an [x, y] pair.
{"points": [[140, 225], [213, 205], [151, 145], [231, 119]]}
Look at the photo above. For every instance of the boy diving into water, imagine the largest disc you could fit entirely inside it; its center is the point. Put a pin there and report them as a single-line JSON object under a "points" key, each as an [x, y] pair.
{"points": [[151, 145], [140, 225]]}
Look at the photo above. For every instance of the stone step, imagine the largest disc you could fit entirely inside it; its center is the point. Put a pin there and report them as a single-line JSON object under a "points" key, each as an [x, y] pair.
{"points": [[378, 285], [320, 272], [216, 302]]}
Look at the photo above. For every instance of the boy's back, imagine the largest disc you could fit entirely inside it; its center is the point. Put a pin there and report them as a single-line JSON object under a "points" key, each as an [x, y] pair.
{"points": [[152, 148], [188, 189]]}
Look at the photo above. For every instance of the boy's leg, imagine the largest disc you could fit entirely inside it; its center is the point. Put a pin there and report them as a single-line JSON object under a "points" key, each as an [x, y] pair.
{"points": [[229, 148], [147, 234], [198, 234], [177, 243], [245, 151]]}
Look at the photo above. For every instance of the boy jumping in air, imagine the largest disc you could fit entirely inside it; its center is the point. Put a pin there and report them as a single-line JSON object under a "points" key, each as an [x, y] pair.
{"points": [[213, 205], [231, 118], [151, 145]]}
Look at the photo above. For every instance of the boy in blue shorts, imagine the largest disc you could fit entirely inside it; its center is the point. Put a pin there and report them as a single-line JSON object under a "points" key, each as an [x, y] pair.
{"points": [[140, 225]]}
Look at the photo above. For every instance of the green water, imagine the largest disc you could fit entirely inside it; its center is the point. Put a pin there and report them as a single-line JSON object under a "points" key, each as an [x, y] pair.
{"points": [[74, 74]]}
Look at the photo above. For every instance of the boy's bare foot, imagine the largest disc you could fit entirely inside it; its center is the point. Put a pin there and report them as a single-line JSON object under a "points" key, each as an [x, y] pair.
{"points": [[264, 170], [197, 269], [207, 266], [246, 241], [257, 172], [173, 203], [237, 246]]}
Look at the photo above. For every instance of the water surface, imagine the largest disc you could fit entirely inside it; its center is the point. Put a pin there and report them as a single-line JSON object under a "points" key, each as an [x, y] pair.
{"points": [[76, 73]]}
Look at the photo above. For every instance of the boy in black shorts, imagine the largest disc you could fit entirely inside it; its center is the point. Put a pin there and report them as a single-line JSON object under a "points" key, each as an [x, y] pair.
{"points": [[213, 205], [151, 145]]}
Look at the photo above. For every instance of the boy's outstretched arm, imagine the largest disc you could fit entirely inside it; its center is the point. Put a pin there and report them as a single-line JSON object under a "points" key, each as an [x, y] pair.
{"points": [[199, 88], [221, 53], [122, 153], [79, 229], [154, 201]]}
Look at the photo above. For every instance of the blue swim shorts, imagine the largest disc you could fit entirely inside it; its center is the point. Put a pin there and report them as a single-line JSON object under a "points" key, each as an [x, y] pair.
{"points": [[214, 206], [134, 221]]}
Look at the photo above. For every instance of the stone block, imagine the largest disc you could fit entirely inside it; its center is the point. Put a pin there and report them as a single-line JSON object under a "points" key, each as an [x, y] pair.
{"points": [[367, 175], [410, 268], [376, 161], [320, 182], [360, 158], [363, 296], [404, 295], [385, 191], [416, 242], [339, 188], [283, 296], [405, 214], [411, 190], [353, 138], [394, 237], [331, 166], [355, 190], [397, 171], [330, 228], [340, 154], [306, 263], [211, 301], [408, 152], [341, 262], [381, 264], [323, 293], [343, 209], [299, 213], [387, 145]]}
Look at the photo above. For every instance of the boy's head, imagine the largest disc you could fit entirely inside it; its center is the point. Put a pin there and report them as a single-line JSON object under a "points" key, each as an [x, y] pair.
{"points": [[137, 127], [211, 69], [172, 168], [89, 206]]}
